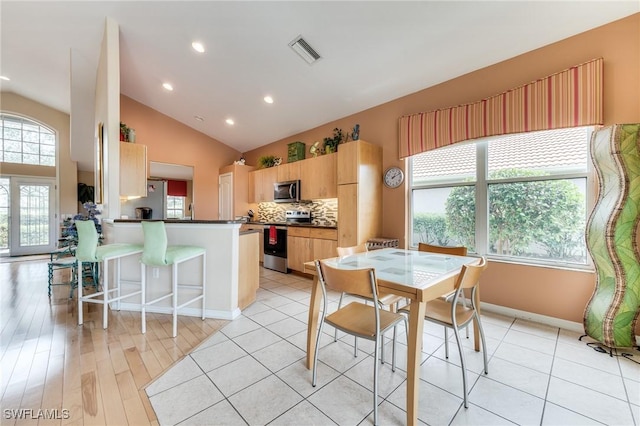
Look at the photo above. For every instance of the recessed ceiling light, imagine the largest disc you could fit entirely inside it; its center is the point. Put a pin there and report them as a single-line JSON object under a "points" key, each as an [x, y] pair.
{"points": [[2, 77], [197, 46], [167, 86], [229, 121], [268, 99]]}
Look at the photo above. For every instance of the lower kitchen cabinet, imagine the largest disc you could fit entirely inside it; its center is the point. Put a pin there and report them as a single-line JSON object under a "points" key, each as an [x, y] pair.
{"points": [[299, 251], [307, 244], [260, 229]]}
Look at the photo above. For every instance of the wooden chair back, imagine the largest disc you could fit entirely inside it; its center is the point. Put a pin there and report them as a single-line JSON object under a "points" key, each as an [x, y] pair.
{"points": [[347, 251], [454, 251], [359, 282], [470, 274]]}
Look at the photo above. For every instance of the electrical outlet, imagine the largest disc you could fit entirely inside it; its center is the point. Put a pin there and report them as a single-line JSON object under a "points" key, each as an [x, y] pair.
{"points": [[156, 272]]}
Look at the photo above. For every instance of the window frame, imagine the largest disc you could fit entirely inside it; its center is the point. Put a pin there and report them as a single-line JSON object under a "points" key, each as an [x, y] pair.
{"points": [[482, 183], [24, 120], [184, 202]]}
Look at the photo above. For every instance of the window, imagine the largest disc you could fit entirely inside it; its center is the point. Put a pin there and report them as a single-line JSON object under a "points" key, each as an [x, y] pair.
{"points": [[521, 197], [175, 207], [26, 142]]}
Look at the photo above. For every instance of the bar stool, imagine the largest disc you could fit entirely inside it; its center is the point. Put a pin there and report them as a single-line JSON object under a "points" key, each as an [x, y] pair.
{"points": [[158, 253], [89, 251]]}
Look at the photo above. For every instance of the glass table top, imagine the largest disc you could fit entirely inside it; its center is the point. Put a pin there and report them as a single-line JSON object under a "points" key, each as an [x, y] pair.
{"points": [[405, 267]]}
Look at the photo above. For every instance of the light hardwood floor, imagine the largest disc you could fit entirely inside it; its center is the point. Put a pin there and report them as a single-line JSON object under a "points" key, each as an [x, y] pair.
{"points": [[90, 375]]}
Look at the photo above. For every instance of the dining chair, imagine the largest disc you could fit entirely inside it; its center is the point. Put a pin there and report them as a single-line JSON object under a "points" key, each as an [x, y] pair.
{"points": [[451, 314], [390, 300], [158, 253], [88, 251], [358, 319], [454, 251]]}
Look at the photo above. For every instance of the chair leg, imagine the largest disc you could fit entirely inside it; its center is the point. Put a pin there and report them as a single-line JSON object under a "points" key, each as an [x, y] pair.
{"points": [[316, 349], [79, 278], [117, 279], [105, 289], [204, 274], [393, 348], [50, 278], [375, 380], [143, 303], [446, 343], [174, 285], [484, 343], [335, 333], [463, 366]]}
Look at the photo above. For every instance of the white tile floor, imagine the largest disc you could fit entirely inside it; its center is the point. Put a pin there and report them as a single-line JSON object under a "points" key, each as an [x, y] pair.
{"points": [[252, 372]]}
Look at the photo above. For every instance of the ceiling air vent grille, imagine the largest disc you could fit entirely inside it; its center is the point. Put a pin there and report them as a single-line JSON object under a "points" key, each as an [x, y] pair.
{"points": [[302, 48]]}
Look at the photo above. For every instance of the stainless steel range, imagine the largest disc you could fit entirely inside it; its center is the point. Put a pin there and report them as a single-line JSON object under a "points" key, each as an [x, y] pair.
{"points": [[275, 239]]}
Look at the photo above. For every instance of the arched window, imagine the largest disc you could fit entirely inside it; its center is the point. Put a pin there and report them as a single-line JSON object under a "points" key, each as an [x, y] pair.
{"points": [[27, 142]]}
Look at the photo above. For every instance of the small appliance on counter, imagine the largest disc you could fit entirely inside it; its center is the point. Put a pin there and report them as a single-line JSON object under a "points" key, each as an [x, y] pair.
{"points": [[144, 212]]}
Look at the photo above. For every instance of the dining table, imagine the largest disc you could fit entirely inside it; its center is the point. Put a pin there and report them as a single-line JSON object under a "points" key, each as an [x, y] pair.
{"points": [[415, 275]]}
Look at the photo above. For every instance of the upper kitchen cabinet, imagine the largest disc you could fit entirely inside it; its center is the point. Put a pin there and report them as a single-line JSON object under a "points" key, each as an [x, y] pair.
{"points": [[318, 177], [261, 184], [133, 170], [288, 171], [359, 161], [233, 191], [359, 193]]}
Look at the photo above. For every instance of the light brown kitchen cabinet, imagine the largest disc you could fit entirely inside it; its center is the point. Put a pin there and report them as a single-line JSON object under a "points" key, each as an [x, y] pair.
{"points": [[305, 244], [288, 171], [359, 193], [260, 229], [318, 177], [133, 170], [261, 184], [248, 270]]}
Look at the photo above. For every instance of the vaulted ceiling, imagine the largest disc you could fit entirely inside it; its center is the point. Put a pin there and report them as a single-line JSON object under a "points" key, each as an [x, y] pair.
{"points": [[371, 52]]}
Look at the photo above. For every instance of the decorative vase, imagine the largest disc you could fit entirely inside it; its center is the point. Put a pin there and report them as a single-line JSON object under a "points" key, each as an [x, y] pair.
{"points": [[612, 234]]}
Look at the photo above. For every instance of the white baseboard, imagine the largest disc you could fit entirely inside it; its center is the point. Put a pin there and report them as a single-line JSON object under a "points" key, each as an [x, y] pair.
{"points": [[191, 312], [542, 319], [577, 327]]}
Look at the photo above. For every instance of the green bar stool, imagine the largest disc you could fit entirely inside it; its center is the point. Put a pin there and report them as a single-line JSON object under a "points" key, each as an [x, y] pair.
{"points": [[158, 253], [89, 251]]}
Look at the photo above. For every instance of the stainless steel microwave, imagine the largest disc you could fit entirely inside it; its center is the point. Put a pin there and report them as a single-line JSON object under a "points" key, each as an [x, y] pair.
{"points": [[286, 192]]}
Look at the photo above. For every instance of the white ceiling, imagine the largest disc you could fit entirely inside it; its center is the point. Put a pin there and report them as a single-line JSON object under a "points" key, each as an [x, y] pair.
{"points": [[372, 52]]}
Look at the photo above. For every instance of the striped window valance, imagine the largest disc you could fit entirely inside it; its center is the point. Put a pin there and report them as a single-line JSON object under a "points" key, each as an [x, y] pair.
{"points": [[570, 98]]}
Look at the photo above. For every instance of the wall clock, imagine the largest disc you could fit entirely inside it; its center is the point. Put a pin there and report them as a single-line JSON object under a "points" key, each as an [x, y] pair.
{"points": [[393, 177]]}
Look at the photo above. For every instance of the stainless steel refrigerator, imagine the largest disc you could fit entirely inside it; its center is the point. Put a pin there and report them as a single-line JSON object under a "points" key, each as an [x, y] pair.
{"points": [[156, 200]]}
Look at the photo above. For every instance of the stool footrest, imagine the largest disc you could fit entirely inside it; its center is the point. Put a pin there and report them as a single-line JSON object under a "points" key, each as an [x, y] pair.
{"points": [[189, 302], [158, 299]]}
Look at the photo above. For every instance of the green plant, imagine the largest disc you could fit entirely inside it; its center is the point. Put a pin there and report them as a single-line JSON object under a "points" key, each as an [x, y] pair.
{"points": [[331, 143], [266, 161]]}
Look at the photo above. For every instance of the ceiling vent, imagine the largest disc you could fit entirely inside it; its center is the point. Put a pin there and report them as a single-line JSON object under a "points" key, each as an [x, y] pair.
{"points": [[302, 48]]}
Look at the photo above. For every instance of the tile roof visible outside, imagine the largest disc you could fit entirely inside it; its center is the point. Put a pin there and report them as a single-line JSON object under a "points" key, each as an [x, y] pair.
{"points": [[545, 150]]}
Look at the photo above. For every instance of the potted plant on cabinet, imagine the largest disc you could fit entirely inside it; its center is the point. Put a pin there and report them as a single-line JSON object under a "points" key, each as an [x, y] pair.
{"points": [[331, 143]]}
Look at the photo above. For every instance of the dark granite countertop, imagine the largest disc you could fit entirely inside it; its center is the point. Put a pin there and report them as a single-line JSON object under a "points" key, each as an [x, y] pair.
{"points": [[297, 225], [169, 221]]}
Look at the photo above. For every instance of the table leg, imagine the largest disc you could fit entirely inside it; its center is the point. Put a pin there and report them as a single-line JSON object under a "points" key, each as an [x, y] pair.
{"points": [[312, 327], [414, 355]]}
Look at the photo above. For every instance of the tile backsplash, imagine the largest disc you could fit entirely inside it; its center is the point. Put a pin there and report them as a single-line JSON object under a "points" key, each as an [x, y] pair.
{"points": [[323, 212]]}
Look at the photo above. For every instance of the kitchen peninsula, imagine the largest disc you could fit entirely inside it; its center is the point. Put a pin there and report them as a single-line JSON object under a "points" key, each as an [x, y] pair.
{"points": [[231, 264]]}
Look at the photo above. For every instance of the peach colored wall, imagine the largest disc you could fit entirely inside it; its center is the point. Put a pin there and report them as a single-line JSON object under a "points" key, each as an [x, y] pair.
{"points": [[66, 169], [521, 287], [169, 141]]}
